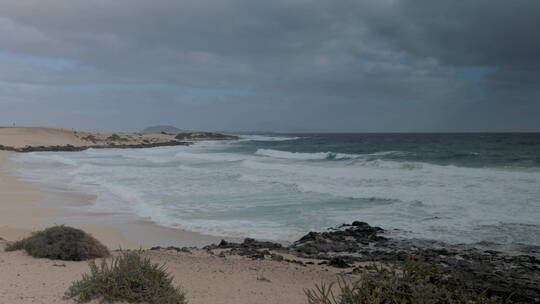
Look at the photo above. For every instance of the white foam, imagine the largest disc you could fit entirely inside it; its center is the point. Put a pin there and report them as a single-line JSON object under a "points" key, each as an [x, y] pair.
{"points": [[215, 157], [276, 194], [267, 138], [304, 156], [321, 155], [384, 153], [468, 196], [49, 157]]}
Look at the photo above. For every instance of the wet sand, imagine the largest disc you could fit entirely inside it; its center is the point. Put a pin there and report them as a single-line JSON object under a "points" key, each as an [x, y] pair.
{"points": [[21, 213], [27, 207]]}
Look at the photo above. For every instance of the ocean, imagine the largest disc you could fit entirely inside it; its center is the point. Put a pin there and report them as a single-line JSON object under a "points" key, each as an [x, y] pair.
{"points": [[457, 188]]}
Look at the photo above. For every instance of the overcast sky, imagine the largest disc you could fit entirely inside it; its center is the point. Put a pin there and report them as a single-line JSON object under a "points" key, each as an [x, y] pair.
{"points": [[275, 65]]}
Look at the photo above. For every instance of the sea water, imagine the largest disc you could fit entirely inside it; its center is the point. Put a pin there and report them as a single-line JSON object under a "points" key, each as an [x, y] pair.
{"points": [[458, 188]]}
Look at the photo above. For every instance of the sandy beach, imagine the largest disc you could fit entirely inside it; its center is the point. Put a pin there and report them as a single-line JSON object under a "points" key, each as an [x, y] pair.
{"points": [[232, 271], [20, 215], [27, 207], [205, 276]]}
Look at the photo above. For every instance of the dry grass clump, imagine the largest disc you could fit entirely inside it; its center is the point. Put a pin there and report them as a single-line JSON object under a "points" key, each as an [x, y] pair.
{"points": [[416, 283], [61, 243], [129, 277]]}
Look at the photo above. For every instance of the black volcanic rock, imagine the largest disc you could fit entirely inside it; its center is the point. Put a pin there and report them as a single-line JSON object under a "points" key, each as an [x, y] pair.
{"points": [[338, 262], [489, 271], [70, 148], [249, 247], [484, 270], [346, 238], [248, 243]]}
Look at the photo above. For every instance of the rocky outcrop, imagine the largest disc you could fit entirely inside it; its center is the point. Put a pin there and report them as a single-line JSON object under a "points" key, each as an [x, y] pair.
{"points": [[496, 272], [484, 270], [346, 238], [250, 248]]}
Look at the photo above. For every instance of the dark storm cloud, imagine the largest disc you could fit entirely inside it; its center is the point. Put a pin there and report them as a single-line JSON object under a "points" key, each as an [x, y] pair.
{"points": [[466, 33], [294, 65]]}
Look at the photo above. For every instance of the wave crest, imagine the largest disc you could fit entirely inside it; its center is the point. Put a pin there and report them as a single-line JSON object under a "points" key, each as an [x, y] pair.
{"points": [[266, 138], [305, 156]]}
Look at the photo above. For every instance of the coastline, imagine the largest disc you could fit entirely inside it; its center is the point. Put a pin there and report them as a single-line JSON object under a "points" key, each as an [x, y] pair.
{"points": [[51, 139], [26, 207], [201, 262], [21, 213], [251, 265], [207, 276]]}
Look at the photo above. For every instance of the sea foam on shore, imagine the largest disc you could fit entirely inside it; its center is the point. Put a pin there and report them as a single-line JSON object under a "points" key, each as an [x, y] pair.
{"points": [[280, 187]]}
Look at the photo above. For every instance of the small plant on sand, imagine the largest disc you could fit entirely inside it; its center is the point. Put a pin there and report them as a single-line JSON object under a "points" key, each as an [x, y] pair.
{"points": [[61, 243], [91, 138], [130, 277], [416, 283], [116, 137]]}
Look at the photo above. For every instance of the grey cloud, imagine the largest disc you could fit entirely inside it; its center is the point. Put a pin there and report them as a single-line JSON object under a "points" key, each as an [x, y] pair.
{"points": [[384, 65], [461, 32]]}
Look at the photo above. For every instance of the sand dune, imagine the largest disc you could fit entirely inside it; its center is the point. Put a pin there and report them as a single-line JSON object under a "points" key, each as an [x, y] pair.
{"points": [[19, 137]]}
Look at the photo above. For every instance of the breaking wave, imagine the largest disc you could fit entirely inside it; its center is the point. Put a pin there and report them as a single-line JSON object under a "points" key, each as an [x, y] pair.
{"points": [[304, 156], [266, 138], [254, 188]]}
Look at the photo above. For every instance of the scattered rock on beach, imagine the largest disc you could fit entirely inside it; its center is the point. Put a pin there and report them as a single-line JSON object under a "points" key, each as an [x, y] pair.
{"points": [[484, 269], [345, 238], [339, 262]]}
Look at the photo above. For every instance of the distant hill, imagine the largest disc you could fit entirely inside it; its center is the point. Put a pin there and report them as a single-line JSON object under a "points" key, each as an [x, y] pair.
{"points": [[166, 129]]}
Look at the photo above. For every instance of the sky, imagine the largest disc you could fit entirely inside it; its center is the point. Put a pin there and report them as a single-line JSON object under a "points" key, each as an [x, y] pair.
{"points": [[274, 65]]}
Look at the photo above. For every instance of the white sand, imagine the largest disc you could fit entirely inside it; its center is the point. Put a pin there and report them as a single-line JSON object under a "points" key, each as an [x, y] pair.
{"points": [[205, 278]]}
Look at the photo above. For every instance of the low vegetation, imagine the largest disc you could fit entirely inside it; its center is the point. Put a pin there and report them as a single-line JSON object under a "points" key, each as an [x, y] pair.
{"points": [[130, 277], [61, 243], [116, 137], [416, 282], [91, 138]]}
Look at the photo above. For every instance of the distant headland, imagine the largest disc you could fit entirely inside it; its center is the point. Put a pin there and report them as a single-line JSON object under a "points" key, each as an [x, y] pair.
{"points": [[32, 139]]}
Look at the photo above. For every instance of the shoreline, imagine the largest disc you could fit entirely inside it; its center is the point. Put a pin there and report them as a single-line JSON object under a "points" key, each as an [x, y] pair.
{"points": [[26, 207], [21, 212], [50, 139], [71, 148], [207, 276], [346, 249]]}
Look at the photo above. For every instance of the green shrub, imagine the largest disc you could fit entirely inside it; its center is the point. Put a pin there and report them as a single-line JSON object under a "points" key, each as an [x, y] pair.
{"points": [[416, 283], [129, 277], [61, 243]]}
